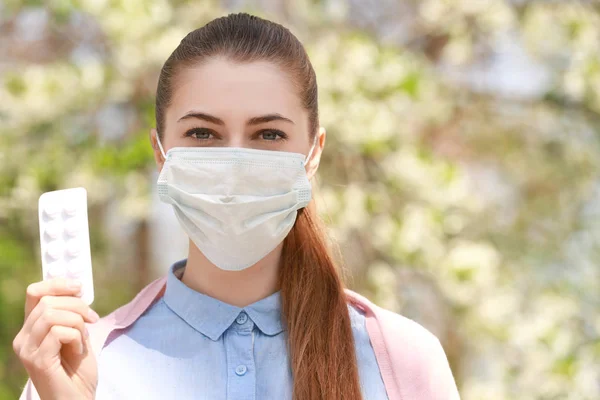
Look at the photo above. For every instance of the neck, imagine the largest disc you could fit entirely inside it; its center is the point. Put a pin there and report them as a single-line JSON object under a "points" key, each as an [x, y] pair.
{"points": [[238, 288]]}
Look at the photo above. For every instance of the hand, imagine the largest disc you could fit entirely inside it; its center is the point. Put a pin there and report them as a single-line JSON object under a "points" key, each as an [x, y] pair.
{"points": [[53, 343]]}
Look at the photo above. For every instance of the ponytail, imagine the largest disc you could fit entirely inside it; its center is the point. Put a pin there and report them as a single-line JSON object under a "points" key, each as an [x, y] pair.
{"points": [[315, 311]]}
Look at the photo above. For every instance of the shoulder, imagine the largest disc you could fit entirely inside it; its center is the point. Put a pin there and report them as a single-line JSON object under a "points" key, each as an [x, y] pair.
{"points": [[127, 314], [410, 357], [392, 324], [397, 326], [124, 316]]}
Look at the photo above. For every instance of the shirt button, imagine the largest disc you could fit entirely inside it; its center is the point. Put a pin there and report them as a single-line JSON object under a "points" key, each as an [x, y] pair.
{"points": [[242, 318], [240, 370]]}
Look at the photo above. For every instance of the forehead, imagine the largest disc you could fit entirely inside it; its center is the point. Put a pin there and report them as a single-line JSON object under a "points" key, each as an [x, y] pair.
{"points": [[227, 88]]}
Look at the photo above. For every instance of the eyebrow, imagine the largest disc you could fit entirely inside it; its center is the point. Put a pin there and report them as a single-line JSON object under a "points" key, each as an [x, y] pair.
{"points": [[252, 121], [202, 116], [268, 118]]}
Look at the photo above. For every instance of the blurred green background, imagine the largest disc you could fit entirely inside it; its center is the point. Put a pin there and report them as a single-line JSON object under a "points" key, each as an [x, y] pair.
{"points": [[461, 177]]}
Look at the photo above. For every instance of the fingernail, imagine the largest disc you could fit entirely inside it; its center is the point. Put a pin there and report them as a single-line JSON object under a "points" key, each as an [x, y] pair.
{"points": [[87, 333], [83, 349], [74, 285], [94, 317]]}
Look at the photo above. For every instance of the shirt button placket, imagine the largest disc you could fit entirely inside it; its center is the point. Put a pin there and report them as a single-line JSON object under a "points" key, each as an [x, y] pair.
{"points": [[241, 373]]}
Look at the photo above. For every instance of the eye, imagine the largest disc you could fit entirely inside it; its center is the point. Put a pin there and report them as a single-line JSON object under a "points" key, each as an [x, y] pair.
{"points": [[271, 135], [200, 133]]}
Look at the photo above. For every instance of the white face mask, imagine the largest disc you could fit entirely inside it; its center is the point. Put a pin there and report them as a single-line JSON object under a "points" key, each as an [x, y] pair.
{"points": [[235, 204]]}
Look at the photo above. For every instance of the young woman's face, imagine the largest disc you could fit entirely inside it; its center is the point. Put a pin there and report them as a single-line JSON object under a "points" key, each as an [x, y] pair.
{"points": [[226, 104]]}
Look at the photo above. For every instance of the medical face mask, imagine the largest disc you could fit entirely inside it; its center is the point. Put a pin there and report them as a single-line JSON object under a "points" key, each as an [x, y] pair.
{"points": [[235, 204]]}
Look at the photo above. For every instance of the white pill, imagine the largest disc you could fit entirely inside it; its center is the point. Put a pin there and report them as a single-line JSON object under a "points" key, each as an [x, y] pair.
{"points": [[55, 270], [72, 227], [53, 229], [75, 269], [70, 209], [54, 250], [51, 210], [73, 248]]}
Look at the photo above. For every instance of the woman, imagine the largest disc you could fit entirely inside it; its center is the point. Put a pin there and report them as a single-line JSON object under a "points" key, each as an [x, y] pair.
{"points": [[257, 311]]}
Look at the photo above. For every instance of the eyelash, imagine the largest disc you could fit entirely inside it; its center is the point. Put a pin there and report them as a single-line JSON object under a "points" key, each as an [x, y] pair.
{"points": [[194, 131]]}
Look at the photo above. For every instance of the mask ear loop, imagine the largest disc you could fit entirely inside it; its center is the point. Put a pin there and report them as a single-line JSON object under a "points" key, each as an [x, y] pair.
{"points": [[311, 150], [162, 151]]}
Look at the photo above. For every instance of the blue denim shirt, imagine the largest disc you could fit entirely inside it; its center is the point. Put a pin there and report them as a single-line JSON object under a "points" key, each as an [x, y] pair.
{"points": [[192, 346]]}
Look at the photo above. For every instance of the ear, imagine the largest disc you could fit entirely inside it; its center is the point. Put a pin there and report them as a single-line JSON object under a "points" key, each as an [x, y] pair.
{"points": [[158, 157], [313, 163]]}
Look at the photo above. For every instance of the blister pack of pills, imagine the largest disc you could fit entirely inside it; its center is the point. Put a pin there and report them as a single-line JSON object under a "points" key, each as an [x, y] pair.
{"points": [[65, 239]]}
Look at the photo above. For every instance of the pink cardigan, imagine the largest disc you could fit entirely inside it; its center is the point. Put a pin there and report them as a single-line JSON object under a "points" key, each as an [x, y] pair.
{"points": [[411, 359]]}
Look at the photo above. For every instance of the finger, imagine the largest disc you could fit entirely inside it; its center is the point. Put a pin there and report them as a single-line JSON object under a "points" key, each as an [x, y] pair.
{"points": [[73, 304], [50, 287], [54, 341], [52, 318]]}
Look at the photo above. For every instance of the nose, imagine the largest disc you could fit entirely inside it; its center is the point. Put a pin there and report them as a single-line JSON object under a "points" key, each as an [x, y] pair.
{"points": [[236, 140]]}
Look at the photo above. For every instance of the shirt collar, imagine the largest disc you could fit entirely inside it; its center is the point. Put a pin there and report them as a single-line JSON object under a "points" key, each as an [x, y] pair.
{"points": [[212, 317]]}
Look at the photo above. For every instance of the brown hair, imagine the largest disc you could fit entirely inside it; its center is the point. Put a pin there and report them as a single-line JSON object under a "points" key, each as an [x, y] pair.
{"points": [[314, 306]]}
